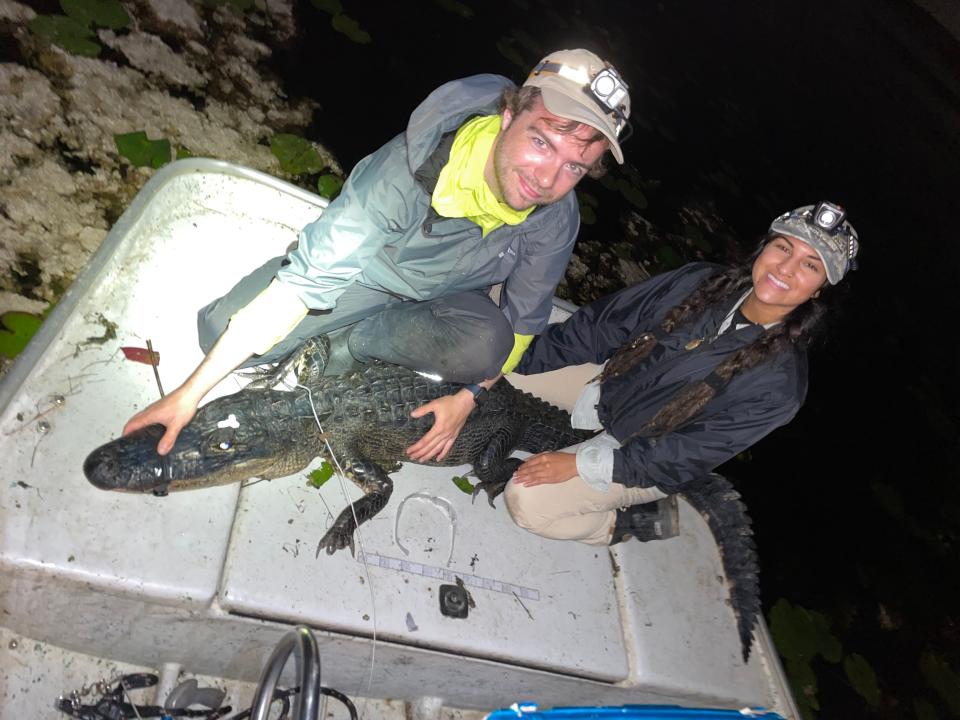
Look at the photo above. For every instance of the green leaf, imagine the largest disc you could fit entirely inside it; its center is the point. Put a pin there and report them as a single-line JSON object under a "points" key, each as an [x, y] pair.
{"points": [[456, 7], [668, 257], [329, 185], [924, 710], [334, 7], [316, 478], [632, 193], [141, 151], [587, 215], [586, 198], [942, 678], [609, 182], [183, 152], [351, 28], [102, 13], [66, 32], [16, 329], [863, 678], [296, 155], [463, 484]]}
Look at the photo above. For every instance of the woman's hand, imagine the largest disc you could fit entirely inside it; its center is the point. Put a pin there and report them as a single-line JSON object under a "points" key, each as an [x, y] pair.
{"points": [[173, 411], [449, 416], [546, 468]]}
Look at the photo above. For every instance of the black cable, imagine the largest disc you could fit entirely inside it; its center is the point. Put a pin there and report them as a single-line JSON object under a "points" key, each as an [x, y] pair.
{"points": [[337, 695]]}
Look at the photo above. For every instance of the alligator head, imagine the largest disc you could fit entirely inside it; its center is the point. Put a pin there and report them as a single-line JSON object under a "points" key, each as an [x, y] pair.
{"points": [[230, 439]]}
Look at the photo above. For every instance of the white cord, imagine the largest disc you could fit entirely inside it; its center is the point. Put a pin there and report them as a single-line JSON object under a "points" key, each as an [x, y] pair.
{"points": [[363, 552]]}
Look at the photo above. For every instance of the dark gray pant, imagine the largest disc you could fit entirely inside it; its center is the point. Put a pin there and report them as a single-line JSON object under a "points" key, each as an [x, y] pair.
{"points": [[462, 337]]}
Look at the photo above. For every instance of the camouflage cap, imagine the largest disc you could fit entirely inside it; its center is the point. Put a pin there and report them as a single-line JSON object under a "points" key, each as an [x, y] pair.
{"points": [[824, 228]]}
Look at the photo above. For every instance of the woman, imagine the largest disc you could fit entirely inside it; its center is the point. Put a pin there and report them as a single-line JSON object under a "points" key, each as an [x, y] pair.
{"points": [[700, 364]]}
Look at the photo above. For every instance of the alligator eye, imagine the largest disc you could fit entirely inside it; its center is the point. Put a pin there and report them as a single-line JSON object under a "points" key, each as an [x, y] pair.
{"points": [[221, 440]]}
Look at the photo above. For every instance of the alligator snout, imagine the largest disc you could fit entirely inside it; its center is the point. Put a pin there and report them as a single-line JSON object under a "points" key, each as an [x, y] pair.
{"points": [[128, 463]]}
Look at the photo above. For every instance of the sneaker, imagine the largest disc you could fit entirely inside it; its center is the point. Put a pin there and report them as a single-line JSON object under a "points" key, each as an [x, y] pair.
{"points": [[650, 521]]}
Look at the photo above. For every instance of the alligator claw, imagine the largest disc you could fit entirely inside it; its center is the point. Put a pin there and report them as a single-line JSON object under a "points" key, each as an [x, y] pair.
{"points": [[336, 538], [492, 488]]}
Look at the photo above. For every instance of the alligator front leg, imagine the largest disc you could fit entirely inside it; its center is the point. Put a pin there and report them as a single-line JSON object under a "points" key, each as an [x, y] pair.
{"points": [[377, 486], [493, 468]]}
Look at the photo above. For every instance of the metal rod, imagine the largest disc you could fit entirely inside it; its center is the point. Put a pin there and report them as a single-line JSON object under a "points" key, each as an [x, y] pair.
{"points": [[153, 364], [301, 642]]}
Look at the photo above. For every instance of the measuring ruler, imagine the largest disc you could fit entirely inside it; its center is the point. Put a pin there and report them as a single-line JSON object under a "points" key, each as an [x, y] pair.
{"points": [[439, 573]]}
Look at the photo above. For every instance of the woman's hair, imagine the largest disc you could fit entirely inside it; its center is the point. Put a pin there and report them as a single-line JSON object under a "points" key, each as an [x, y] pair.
{"points": [[520, 99], [798, 329]]}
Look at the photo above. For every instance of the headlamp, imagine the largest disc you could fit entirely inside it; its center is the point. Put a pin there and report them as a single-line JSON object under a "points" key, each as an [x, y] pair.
{"points": [[607, 89], [828, 216]]}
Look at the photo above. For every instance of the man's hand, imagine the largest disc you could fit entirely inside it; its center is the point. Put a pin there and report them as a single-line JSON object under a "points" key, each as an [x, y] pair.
{"points": [[546, 468], [449, 416], [173, 411]]}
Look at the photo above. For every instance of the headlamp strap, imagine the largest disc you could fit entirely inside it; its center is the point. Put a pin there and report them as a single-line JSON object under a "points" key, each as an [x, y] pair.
{"points": [[555, 68]]}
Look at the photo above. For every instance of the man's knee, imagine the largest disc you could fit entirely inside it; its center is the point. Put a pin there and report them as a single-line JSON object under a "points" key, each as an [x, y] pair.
{"points": [[482, 353]]}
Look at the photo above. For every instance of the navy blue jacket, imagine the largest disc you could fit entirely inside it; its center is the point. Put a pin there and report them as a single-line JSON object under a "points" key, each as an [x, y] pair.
{"points": [[750, 406]]}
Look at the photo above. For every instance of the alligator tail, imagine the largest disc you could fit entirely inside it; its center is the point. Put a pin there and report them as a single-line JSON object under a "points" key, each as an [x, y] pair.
{"points": [[720, 505]]}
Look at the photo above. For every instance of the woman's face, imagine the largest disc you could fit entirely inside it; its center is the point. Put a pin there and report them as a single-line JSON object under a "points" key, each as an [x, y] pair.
{"points": [[786, 274]]}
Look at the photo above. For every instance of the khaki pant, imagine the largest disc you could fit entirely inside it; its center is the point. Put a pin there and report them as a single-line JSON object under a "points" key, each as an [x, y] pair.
{"points": [[573, 510]]}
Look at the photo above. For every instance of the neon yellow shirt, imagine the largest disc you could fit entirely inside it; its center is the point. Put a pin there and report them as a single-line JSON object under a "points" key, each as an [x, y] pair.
{"points": [[461, 189]]}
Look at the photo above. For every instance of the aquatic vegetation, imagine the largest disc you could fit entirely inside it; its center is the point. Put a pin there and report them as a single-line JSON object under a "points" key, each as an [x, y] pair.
{"points": [[297, 155], [329, 185], [317, 478], [74, 31], [16, 329], [341, 22], [141, 151]]}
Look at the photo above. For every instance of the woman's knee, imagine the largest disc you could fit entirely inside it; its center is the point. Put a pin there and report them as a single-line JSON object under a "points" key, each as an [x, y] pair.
{"points": [[522, 507]]}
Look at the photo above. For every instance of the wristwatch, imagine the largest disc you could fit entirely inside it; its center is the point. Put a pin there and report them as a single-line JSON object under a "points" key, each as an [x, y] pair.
{"points": [[479, 393]]}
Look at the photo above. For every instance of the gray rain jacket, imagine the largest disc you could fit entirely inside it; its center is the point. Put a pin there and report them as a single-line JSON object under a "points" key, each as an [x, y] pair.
{"points": [[382, 232], [750, 406]]}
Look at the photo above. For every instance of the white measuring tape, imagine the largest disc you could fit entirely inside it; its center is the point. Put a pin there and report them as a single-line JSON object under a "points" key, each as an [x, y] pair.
{"points": [[439, 573]]}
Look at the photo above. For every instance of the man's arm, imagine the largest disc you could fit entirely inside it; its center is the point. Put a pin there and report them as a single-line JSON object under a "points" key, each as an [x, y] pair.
{"points": [[256, 328]]}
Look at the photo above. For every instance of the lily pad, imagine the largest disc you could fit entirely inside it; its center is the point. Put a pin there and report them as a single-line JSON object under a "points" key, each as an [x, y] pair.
{"points": [[316, 478], [334, 7], [65, 32], [329, 185], [863, 678], [351, 28], [456, 7], [463, 484], [141, 151], [102, 13], [587, 215], [942, 678], [632, 193], [296, 155], [16, 329]]}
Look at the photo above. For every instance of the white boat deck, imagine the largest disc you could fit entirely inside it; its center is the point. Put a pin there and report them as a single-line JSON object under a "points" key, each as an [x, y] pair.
{"points": [[209, 580]]}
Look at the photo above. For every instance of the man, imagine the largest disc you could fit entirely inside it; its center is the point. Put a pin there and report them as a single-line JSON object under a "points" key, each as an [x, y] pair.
{"points": [[477, 191]]}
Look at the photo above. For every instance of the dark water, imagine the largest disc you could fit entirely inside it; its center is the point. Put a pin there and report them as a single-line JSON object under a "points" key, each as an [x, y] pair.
{"points": [[748, 109]]}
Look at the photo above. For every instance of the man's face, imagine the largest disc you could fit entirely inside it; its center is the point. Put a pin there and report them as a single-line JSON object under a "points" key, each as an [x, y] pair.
{"points": [[533, 164]]}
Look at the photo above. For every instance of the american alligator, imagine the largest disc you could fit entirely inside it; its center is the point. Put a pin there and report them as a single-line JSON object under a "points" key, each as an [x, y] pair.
{"points": [[365, 415]]}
